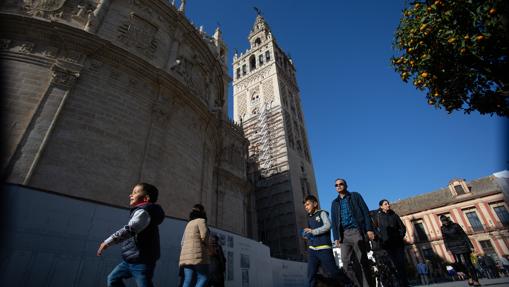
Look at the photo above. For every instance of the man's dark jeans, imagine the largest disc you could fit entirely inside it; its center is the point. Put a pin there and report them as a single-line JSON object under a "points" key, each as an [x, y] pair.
{"points": [[142, 274]]}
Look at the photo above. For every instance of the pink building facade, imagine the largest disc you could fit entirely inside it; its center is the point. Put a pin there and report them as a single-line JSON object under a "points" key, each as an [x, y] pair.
{"points": [[479, 206]]}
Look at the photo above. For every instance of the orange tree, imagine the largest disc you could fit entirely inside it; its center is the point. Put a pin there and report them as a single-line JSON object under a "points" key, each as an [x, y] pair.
{"points": [[457, 52]]}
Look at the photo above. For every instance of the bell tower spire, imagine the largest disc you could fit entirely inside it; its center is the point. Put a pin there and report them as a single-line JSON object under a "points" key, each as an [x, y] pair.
{"points": [[260, 32]]}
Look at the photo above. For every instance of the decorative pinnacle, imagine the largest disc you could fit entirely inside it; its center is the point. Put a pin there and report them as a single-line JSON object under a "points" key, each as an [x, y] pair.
{"points": [[258, 11]]}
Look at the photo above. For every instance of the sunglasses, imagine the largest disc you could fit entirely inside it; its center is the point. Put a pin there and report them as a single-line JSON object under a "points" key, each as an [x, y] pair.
{"points": [[339, 184]]}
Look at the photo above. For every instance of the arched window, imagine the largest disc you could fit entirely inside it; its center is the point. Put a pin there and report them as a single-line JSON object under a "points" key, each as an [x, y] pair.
{"points": [[255, 97], [260, 59], [258, 41], [267, 56], [238, 73], [244, 71], [252, 63]]}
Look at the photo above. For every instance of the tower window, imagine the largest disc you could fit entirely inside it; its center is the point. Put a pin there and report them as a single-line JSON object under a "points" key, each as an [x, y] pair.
{"points": [[258, 41], [244, 71], [252, 63], [267, 56], [238, 73], [260, 60]]}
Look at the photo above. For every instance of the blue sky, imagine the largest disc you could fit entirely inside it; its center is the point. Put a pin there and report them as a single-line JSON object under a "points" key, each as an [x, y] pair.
{"points": [[364, 124]]}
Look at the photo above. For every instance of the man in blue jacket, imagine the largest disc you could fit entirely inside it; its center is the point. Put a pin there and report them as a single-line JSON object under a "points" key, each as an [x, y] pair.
{"points": [[351, 226]]}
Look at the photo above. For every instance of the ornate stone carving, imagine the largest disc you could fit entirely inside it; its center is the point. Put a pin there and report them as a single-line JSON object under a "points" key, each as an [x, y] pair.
{"points": [[50, 52], [96, 17], [268, 91], [43, 8], [199, 86], [71, 56], [241, 105], [139, 34], [141, 5], [63, 77], [5, 44], [27, 47], [82, 12], [192, 74], [256, 77]]}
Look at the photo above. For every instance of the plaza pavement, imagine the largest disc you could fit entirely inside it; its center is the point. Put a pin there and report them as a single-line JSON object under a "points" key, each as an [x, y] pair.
{"points": [[498, 282]]}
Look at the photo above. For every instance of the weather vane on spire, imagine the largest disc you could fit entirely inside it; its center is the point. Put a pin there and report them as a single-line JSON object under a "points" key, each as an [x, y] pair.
{"points": [[258, 11]]}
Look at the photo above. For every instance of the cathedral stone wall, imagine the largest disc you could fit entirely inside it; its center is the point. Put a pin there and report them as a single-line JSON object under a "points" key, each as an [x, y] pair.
{"points": [[103, 95]]}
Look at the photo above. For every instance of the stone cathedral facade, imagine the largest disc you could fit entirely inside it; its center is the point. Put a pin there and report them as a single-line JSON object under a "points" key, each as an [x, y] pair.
{"points": [[267, 102], [102, 94]]}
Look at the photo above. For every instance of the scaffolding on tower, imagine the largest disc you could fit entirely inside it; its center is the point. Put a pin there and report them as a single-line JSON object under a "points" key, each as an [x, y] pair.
{"points": [[265, 156]]}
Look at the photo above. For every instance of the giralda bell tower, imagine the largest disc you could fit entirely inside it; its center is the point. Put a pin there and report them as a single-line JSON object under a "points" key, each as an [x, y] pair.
{"points": [[267, 103]]}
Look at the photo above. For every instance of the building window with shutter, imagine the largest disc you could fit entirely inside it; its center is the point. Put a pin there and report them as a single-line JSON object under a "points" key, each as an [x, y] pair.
{"points": [[502, 213], [474, 220], [419, 231]]}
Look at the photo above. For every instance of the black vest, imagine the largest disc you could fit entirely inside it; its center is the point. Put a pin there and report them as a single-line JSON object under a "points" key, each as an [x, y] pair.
{"points": [[144, 246], [315, 221]]}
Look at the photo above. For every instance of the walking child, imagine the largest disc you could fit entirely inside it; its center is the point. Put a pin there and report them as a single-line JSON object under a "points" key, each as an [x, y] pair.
{"points": [[139, 238], [319, 242]]}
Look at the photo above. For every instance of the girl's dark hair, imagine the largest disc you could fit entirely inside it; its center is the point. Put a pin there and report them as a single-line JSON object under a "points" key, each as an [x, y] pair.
{"points": [[197, 214], [199, 207], [382, 202]]}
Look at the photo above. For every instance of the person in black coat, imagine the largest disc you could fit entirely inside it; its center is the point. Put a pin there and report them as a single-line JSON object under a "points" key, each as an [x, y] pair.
{"points": [[458, 243], [217, 262], [391, 232]]}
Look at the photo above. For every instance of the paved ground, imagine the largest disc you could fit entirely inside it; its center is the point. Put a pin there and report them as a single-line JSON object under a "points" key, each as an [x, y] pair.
{"points": [[499, 282]]}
